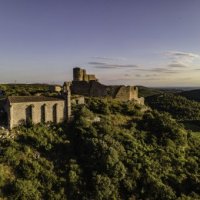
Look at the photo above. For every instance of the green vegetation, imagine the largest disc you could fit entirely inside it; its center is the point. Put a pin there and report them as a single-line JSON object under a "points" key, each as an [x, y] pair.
{"points": [[192, 95], [23, 89], [145, 91], [179, 107], [32, 164], [182, 109], [130, 153]]}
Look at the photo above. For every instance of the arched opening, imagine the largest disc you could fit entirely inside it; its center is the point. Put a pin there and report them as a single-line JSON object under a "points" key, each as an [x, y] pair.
{"points": [[43, 113], [55, 113], [29, 114]]}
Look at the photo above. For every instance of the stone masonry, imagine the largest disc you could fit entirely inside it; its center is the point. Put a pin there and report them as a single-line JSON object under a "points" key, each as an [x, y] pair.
{"points": [[41, 109], [91, 87], [22, 110], [81, 75]]}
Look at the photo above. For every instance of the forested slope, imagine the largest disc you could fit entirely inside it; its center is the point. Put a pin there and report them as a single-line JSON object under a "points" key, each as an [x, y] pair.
{"points": [[179, 107], [111, 150], [192, 95]]}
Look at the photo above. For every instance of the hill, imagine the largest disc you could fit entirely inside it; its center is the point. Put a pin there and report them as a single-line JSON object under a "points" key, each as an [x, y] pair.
{"points": [[150, 91], [145, 91], [192, 95], [179, 107], [111, 150], [182, 109]]}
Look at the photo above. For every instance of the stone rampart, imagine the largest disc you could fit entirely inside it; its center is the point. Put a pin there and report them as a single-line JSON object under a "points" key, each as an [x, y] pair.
{"points": [[96, 89]]}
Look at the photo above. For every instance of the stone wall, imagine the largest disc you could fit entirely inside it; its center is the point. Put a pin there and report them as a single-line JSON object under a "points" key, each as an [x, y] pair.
{"points": [[18, 113], [96, 89], [87, 85], [55, 88], [90, 77], [127, 93], [78, 100], [123, 93], [99, 90], [93, 88], [80, 88]]}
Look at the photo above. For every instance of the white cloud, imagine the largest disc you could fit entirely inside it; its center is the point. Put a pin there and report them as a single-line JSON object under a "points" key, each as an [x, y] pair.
{"points": [[107, 58], [104, 65], [182, 58], [159, 70], [177, 65], [182, 54]]}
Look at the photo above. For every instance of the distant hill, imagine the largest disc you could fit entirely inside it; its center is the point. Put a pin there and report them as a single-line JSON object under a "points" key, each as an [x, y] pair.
{"points": [[178, 106], [192, 95], [145, 91], [151, 91]]}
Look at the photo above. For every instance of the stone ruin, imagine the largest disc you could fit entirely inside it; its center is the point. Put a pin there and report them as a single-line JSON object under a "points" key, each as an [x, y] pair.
{"points": [[88, 85], [37, 109]]}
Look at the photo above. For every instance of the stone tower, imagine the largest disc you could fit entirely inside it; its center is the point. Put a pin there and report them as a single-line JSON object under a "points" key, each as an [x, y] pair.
{"points": [[78, 74], [67, 93], [81, 75]]}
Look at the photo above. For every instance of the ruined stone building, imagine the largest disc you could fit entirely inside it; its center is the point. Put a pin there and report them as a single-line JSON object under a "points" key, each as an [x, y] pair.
{"points": [[55, 88], [88, 85], [41, 109], [35, 109], [38, 109], [81, 75]]}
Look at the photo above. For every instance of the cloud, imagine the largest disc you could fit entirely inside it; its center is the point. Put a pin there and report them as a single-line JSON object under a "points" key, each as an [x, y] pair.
{"points": [[127, 75], [159, 70], [180, 57], [96, 63], [153, 79], [177, 65], [107, 58], [151, 75], [183, 54], [104, 65]]}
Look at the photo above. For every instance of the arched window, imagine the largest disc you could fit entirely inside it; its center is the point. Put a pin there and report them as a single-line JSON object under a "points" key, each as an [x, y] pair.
{"points": [[29, 114], [55, 113], [43, 113]]}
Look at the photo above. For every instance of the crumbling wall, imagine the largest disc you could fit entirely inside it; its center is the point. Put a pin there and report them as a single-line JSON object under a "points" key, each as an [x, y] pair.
{"points": [[133, 92], [91, 77], [80, 88], [55, 88], [17, 112], [78, 100], [141, 100], [87, 85], [127, 93], [93, 88], [123, 93], [99, 90]]}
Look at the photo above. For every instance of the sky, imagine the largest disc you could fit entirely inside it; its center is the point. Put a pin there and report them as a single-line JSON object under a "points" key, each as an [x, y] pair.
{"points": [[153, 43]]}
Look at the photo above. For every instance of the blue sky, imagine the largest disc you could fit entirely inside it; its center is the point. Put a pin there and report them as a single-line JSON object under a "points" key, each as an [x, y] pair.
{"points": [[137, 42]]}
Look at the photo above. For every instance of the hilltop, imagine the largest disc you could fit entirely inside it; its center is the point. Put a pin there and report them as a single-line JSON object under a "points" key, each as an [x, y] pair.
{"points": [[192, 95]]}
